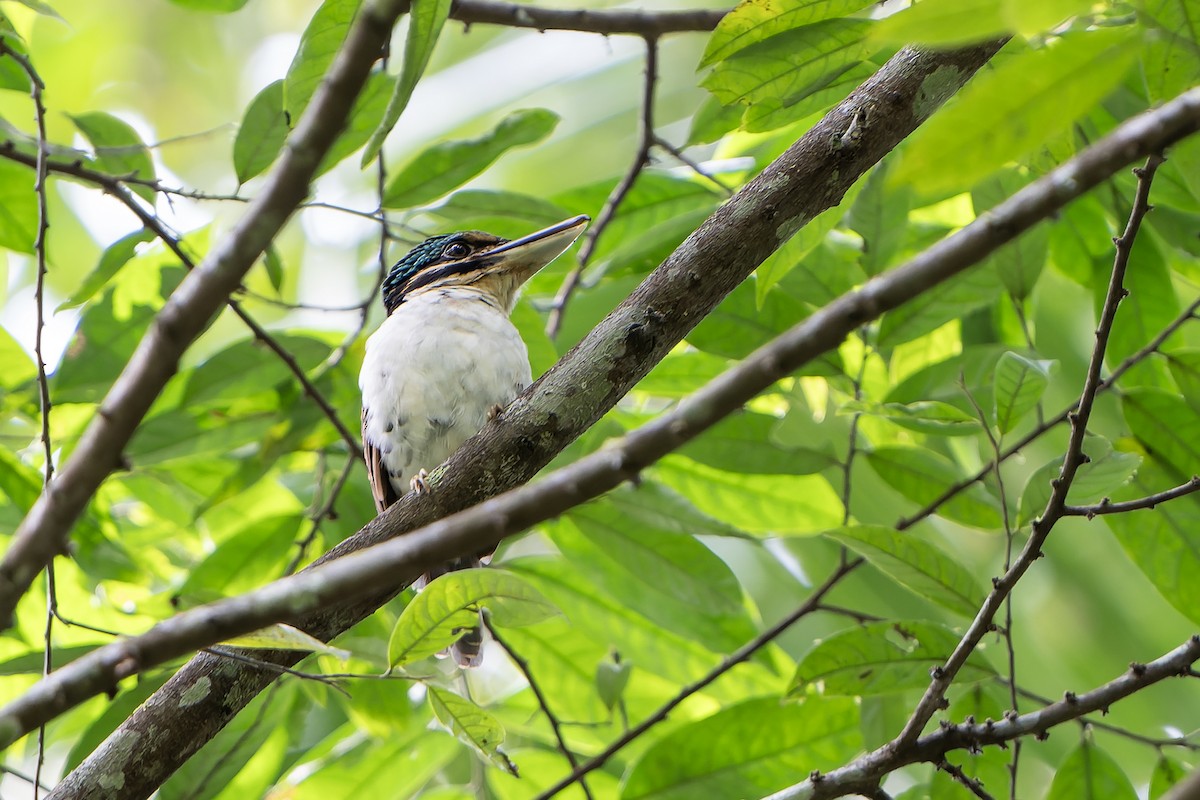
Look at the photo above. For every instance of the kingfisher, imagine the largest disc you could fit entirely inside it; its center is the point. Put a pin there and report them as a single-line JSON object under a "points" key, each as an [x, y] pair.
{"points": [[446, 360]]}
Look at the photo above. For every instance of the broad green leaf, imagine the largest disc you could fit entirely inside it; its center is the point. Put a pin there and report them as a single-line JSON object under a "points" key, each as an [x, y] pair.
{"points": [[1166, 425], [13, 75], [102, 345], [471, 725], [115, 256], [1163, 542], [916, 564], [743, 443], [922, 475], [798, 247], [610, 623], [119, 149], [771, 113], [1167, 772], [748, 750], [262, 133], [438, 614], [1089, 773], [470, 204], [1150, 306], [882, 657], [395, 767], [318, 45], [713, 120], [753, 21], [1019, 384], [274, 267], [1171, 59], [792, 64], [1009, 112], [18, 207], [1185, 369], [1018, 263], [880, 216], [763, 504], [933, 308], [924, 416], [181, 434], [425, 21], [286, 637], [247, 367], [368, 108], [652, 504], [540, 769], [681, 373], [1106, 471], [671, 578], [829, 271], [446, 166], [562, 658], [248, 559], [41, 8], [958, 22]]}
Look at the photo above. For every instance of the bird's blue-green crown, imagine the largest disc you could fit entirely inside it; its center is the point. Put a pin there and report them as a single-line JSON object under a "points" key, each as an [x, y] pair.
{"points": [[448, 248]]}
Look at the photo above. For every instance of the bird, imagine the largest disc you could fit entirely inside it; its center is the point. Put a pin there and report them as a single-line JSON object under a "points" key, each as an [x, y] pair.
{"points": [[445, 360]]}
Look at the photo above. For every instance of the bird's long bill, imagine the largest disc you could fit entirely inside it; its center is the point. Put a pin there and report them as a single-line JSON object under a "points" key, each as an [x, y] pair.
{"points": [[521, 258]]}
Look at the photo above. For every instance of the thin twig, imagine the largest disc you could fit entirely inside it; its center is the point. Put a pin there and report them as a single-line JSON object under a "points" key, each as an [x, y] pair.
{"points": [[614, 21], [932, 699], [1106, 506], [974, 786], [640, 159], [733, 659], [681, 157], [542, 700]]}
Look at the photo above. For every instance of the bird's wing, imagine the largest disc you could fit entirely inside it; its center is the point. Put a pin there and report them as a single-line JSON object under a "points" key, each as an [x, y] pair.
{"points": [[381, 484]]}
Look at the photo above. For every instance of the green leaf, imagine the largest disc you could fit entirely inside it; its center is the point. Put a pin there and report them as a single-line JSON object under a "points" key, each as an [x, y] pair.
{"points": [[1018, 263], [319, 43], [713, 120], [395, 767], [274, 267], [880, 216], [654, 505], [425, 21], [1150, 306], [246, 560], [612, 676], [1106, 471], [19, 368], [248, 367], [115, 256], [748, 750], [1019, 383], [1185, 369], [42, 8], [471, 204], [1166, 425], [102, 345], [18, 207], [446, 166], [791, 65], [883, 657], [119, 149], [1163, 542], [681, 372], [441, 611], [943, 22], [924, 416], [472, 726], [765, 504], [181, 434], [1167, 772], [1089, 772], [262, 133], [922, 475], [743, 443], [916, 564], [740, 324], [752, 22], [368, 109], [285, 637], [1017, 107], [933, 308]]}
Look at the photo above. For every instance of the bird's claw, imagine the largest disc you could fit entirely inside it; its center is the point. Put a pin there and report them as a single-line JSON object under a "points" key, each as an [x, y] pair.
{"points": [[495, 411], [419, 483]]}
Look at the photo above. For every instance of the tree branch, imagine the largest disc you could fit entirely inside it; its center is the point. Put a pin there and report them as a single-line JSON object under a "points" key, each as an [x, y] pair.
{"points": [[607, 21], [933, 747], [43, 532], [515, 444], [1106, 506]]}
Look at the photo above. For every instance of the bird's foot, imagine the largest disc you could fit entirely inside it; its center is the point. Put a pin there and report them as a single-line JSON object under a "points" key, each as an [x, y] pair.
{"points": [[495, 411], [420, 482]]}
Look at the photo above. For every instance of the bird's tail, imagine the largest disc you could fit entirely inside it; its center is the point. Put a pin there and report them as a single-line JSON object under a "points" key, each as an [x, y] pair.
{"points": [[468, 650]]}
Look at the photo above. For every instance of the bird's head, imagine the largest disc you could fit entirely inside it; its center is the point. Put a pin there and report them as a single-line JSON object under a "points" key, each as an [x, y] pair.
{"points": [[492, 266]]}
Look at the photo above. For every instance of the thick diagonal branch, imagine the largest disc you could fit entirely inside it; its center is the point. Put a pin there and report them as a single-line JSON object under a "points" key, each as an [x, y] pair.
{"points": [[43, 533]]}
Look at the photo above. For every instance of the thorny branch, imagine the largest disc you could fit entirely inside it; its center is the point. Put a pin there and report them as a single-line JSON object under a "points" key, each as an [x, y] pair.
{"points": [[1106, 506]]}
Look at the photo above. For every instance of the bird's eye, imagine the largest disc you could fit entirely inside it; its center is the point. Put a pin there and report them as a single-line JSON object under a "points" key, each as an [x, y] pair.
{"points": [[457, 250]]}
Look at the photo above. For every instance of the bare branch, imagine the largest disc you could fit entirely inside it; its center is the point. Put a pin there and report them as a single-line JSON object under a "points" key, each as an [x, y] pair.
{"points": [[933, 747], [607, 21], [1106, 506], [44, 531]]}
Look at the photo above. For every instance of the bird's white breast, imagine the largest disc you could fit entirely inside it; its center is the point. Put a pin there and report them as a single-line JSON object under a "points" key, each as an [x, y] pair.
{"points": [[432, 372]]}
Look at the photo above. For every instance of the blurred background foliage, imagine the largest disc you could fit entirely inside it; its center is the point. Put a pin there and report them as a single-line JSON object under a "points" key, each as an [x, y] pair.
{"points": [[236, 476]]}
